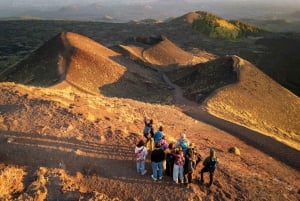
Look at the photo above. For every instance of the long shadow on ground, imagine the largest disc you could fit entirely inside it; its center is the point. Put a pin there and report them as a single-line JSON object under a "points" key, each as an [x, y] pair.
{"points": [[110, 162], [258, 140]]}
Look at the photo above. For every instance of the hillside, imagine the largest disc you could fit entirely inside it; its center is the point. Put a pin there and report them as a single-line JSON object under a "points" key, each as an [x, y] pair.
{"points": [[201, 80], [72, 112], [22, 37], [69, 145], [70, 59], [166, 53], [218, 27], [160, 51], [233, 89], [256, 101]]}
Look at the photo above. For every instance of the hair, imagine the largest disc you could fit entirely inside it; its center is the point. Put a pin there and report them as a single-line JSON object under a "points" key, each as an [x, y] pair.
{"points": [[212, 152], [161, 128], [140, 143], [171, 145], [151, 121], [157, 145], [178, 149]]}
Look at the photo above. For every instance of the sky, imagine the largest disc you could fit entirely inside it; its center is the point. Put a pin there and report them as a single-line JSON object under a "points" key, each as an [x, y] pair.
{"points": [[230, 8], [50, 3]]}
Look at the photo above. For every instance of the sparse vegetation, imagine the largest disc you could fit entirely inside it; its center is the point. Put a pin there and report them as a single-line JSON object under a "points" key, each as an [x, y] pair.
{"points": [[12, 177], [246, 28], [217, 27], [31, 34], [70, 144], [149, 21]]}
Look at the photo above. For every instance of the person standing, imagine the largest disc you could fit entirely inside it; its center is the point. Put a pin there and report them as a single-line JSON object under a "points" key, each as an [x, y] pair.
{"points": [[169, 152], [158, 135], [157, 157], [178, 165], [140, 156], [192, 158], [183, 142], [210, 163], [148, 133]]}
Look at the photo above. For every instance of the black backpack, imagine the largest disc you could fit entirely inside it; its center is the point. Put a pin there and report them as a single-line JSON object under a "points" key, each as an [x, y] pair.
{"points": [[190, 161], [170, 158], [212, 164]]}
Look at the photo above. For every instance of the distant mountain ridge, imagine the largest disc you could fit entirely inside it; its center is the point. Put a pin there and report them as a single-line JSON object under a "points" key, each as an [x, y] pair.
{"points": [[217, 27], [124, 11]]}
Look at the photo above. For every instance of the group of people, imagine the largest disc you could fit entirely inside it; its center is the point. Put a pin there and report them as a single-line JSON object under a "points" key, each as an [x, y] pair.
{"points": [[176, 159]]}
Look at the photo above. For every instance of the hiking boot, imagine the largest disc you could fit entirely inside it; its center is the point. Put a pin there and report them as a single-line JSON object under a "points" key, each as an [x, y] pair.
{"points": [[145, 171], [153, 178]]}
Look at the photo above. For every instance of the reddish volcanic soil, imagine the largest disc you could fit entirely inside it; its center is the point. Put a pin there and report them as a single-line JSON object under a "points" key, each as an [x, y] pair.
{"points": [[66, 143]]}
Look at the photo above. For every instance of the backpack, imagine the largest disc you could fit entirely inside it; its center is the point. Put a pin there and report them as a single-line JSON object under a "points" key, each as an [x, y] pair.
{"points": [[183, 145], [157, 136], [170, 158], [212, 164], [147, 130], [139, 155], [190, 161], [191, 165], [164, 144]]}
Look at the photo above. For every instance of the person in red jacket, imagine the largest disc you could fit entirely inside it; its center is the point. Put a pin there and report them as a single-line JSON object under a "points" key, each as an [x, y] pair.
{"points": [[178, 165]]}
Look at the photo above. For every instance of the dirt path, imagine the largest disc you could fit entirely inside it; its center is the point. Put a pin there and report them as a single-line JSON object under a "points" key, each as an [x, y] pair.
{"points": [[258, 140]]}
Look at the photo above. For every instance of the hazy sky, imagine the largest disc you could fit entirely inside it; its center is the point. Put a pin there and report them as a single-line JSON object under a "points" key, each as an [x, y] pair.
{"points": [[170, 8], [37, 3]]}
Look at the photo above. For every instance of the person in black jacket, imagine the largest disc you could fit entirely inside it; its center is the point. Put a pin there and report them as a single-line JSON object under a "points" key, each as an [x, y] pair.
{"points": [[170, 159], [157, 157], [210, 163]]}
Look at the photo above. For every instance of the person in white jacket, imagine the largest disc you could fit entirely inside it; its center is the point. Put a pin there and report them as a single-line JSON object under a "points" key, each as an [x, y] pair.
{"points": [[140, 157]]}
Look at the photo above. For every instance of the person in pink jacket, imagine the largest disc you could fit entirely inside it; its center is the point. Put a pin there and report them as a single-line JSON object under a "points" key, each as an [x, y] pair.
{"points": [[178, 165]]}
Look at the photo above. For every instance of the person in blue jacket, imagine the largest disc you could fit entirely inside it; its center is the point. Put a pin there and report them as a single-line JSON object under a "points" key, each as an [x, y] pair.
{"points": [[158, 135]]}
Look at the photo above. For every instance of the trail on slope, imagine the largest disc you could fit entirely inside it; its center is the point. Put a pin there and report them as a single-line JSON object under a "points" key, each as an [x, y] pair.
{"points": [[258, 140]]}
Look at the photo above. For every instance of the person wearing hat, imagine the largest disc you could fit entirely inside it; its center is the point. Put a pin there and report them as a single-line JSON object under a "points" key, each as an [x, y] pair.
{"points": [[210, 163], [192, 158]]}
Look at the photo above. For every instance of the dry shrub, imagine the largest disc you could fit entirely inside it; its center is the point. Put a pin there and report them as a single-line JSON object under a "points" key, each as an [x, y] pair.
{"points": [[11, 181]]}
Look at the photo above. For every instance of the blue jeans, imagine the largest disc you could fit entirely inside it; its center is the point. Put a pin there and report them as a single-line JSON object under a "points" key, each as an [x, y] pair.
{"points": [[178, 173], [140, 166], [157, 169]]}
